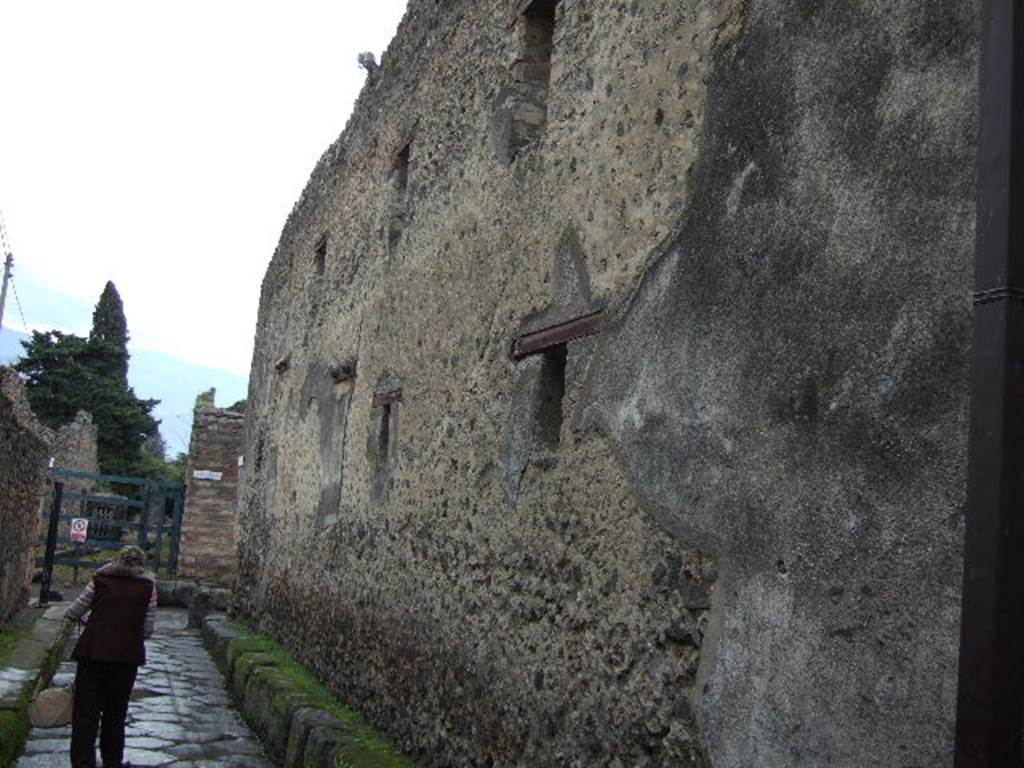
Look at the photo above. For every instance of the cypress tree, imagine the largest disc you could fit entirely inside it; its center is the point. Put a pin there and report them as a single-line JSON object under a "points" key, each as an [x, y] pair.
{"points": [[65, 373], [110, 330]]}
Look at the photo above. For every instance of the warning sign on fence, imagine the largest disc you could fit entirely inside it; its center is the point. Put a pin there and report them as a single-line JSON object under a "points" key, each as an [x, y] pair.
{"points": [[79, 529]]}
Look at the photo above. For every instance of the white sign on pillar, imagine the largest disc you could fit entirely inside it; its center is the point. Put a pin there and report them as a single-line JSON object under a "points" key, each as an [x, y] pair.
{"points": [[79, 529]]}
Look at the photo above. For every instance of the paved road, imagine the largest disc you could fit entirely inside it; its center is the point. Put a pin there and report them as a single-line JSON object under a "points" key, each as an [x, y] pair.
{"points": [[180, 714]]}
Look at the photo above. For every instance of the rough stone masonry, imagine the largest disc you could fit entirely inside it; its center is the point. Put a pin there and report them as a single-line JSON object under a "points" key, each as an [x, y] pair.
{"points": [[609, 398], [26, 449], [23, 457], [208, 529]]}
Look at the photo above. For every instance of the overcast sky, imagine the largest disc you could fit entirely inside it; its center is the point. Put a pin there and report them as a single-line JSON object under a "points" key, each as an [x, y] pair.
{"points": [[162, 146]]}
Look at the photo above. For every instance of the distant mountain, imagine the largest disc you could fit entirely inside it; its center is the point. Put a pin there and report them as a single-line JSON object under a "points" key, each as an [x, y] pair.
{"points": [[155, 375]]}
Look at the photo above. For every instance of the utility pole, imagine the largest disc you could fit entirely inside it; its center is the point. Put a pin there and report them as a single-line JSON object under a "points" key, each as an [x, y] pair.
{"points": [[990, 698], [8, 264]]}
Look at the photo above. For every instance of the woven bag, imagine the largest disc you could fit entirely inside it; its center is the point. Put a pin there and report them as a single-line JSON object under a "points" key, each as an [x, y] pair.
{"points": [[52, 707]]}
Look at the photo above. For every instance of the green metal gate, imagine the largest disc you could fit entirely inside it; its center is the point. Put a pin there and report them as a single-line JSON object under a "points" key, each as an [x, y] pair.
{"points": [[83, 524]]}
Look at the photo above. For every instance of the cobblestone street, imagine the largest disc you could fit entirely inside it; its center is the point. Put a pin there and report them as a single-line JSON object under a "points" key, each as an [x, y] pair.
{"points": [[180, 714]]}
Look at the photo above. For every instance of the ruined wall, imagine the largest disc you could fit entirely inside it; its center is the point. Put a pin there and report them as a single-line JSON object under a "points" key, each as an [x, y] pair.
{"points": [[23, 458], [26, 449], [723, 530], [208, 530], [73, 446]]}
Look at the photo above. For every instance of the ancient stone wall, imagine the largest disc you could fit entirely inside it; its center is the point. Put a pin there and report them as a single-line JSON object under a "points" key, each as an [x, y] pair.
{"points": [[24, 454], [608, 404], [208, 532], [73, 447], [26, 450]]}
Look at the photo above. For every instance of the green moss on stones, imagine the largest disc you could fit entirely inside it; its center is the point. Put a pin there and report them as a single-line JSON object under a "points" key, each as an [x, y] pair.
{"points": [[368, 751], [14, 723], [244, 667], [246, 645], [264, 671]]}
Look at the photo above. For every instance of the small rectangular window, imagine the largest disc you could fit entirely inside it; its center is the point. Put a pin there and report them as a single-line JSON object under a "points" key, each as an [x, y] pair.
{"points": [[320, 255], [382, 441], [400, 171], [531, 75], [550, 393], [538, 39], [384, 434]]}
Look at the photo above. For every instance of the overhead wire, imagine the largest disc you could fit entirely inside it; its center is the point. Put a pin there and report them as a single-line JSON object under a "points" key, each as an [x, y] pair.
{"points": [[17, 303]]}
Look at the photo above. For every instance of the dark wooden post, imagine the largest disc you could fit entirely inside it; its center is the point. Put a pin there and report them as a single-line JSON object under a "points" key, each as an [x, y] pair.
{"points": [[172, 560], [144, 520], [989, 695], [51, 544]]}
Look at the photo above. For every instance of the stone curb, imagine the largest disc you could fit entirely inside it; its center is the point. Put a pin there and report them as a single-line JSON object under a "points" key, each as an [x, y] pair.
{"points": [[199, 600], [294, 721], [32, 663]]}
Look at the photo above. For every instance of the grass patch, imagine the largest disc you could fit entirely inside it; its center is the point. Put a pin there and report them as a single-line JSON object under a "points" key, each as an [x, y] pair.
{"points": [[291, 668], [9, 639], [13, 732]]}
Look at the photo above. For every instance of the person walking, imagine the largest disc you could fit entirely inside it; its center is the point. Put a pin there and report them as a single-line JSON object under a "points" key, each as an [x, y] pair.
{"points": [[119, 610]]}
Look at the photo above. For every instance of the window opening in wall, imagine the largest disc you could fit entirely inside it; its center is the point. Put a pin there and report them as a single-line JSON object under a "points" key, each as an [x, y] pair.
{"points": [[538, 43], [532, 74], [384, 435], [400, 171], [381, 441], [320, 255], [388, 404], [550, 393]]}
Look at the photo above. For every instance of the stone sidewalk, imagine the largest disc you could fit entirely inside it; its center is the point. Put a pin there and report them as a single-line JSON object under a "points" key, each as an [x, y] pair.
{"points": [[180, 714]]}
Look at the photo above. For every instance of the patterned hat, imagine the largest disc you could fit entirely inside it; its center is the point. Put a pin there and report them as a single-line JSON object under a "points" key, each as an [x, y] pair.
{"points": [[131, 556]]}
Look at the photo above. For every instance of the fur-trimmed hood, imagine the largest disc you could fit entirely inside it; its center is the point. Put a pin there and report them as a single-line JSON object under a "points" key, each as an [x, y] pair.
{"points": [[132, 572]]}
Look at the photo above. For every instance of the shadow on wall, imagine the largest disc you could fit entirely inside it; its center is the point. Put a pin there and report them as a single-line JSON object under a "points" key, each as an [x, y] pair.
{"points": [[802, 413]]}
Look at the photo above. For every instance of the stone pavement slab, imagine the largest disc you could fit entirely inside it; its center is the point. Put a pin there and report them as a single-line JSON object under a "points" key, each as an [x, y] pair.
{"points": [[180, 714], [24, 662]]}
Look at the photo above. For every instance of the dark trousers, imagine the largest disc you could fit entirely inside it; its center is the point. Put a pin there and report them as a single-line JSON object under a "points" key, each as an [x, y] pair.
{"points": [[102, 689]]}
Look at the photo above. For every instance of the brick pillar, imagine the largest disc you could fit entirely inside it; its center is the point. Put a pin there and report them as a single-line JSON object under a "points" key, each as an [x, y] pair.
{"points": [[208, 534]]}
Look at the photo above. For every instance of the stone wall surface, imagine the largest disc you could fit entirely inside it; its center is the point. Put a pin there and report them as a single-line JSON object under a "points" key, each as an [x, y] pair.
{"points": [[726, 529], [24, 453], [26, 449], [74, 447], [207, 552]]}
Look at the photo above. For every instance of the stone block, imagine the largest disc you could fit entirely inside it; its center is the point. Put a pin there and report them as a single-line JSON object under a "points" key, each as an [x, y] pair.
{"points": [[165, 592], [220, 598], [243, 668], [236, 649], [217, 634], [184, 591], [204, 602], [287, 698], [321, 744], [265, 686], [304, 720]]}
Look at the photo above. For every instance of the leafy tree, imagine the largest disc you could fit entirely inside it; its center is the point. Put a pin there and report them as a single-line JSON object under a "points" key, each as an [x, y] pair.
{"points": [[65, 373], [169, 471], [367, 61], [110, 326], [155, 446]]}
